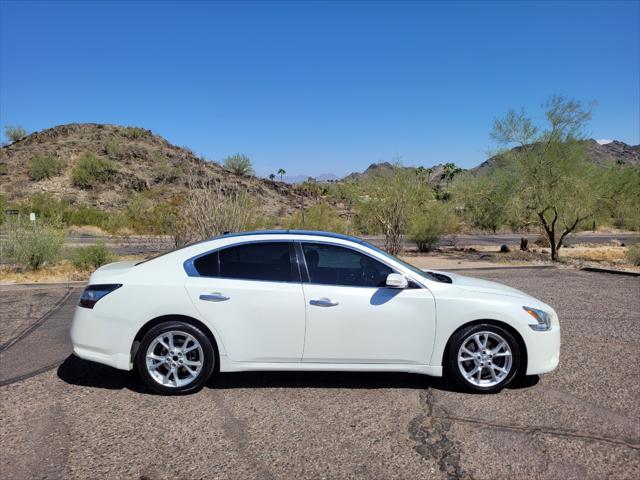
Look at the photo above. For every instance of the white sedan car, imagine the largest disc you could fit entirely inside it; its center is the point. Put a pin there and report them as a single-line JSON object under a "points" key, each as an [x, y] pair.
{"points": [[298, 300]]}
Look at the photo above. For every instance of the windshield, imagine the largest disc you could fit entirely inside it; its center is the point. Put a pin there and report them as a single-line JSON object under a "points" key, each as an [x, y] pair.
{"points": [[413, 268]]}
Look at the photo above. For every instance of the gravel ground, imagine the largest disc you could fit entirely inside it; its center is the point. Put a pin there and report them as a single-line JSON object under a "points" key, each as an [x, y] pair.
{"points": [[84, 420], [20, 310]]}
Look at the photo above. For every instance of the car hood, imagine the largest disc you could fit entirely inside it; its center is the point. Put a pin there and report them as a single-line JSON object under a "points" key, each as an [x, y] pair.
{"points": [[478, 285]]}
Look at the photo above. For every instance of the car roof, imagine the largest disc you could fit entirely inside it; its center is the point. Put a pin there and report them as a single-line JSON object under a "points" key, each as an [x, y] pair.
{"points": [[317, 233]]}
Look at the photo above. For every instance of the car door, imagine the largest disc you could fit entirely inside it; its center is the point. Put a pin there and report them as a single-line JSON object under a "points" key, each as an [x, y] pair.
{"points": [[252, 295], [352, 317]]}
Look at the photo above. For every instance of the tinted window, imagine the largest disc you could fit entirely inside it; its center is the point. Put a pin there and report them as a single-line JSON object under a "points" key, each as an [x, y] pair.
{"points": [[207, 265], [332, 265], [267, 261]]}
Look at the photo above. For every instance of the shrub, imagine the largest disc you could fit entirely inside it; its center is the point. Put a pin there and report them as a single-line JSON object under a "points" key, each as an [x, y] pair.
{"points": [[426, 232], [239, 164], [633, 254], [33, 247], [164, 171], [320, 216], [44, 166], [135, 132], [92, 257], [428, 227], [112, 148], [15, 133], [91, 170]]}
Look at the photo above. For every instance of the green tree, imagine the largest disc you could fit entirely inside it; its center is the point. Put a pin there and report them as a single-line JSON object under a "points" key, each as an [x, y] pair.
{"points": [[15, 133], [553, 184], [449, 172], [387, 201], [281, 172], [483, 199], [239, 164], [620, 187], [272, 176]]}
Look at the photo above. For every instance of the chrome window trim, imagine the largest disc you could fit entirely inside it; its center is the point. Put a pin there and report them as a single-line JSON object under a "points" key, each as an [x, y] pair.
{"points": [[191, 271], [189, 268]]}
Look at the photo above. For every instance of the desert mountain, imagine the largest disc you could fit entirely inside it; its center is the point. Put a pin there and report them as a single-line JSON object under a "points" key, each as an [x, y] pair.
{"points": [[142, 162], [602, 154], [434, 173]]}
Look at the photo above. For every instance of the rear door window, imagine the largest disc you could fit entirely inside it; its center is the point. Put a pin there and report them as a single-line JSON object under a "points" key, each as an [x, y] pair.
{"points": [[267, 261]]}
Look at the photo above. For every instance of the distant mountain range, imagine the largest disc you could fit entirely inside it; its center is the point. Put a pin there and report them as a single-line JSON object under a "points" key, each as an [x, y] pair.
{"points": [[323, 177], [601, 152]]}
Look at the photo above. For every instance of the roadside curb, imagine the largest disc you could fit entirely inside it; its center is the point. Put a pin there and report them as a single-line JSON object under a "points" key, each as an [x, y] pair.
{"points": [[514, 267], [613, 272], [45, 285]]}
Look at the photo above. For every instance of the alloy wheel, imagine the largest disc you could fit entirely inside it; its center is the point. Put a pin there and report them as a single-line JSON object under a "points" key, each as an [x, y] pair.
{"points": [[485, 359], [174, 359]]}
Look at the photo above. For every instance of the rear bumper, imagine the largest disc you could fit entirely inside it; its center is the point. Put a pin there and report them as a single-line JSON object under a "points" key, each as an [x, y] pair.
{"points": [[100, 338], [115, 360]]}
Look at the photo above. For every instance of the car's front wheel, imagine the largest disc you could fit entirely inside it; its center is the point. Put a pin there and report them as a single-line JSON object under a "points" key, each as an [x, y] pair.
{"points": [[483, 358], [174, 358]]}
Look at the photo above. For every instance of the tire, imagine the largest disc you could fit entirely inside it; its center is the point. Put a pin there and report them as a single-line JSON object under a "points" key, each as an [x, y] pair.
{"points": [[488, 369], [175, 358]]}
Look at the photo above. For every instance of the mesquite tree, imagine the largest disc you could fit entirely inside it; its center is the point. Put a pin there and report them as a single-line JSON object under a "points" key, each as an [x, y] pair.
{"points": [[552, 182], [387, 201]]}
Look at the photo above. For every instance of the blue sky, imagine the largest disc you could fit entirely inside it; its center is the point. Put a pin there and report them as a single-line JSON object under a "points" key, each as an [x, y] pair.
{"points": [[318, 87]]}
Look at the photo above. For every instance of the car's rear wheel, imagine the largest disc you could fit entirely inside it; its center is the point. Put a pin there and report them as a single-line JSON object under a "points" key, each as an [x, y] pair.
{"points": [[483, 358], [175, 358]]}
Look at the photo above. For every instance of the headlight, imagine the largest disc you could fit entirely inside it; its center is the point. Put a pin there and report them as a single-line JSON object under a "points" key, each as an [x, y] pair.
{"points": [[543, 319], [93, 293]]}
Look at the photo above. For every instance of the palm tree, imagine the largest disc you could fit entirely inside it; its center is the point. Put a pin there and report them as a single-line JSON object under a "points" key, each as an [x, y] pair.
{"points": [[281, 172], [271, 176], [449, 172]]}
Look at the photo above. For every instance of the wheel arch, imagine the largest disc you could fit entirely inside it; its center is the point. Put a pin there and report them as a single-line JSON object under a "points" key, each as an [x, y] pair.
{"points": [[175, 318], [486, 321]]}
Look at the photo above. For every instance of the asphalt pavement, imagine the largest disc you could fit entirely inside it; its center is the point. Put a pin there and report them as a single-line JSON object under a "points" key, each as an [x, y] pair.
{"points": [[83, 420]]}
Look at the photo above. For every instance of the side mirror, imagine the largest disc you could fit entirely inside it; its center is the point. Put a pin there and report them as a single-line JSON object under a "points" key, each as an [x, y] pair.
{"points": [[395, 280]]}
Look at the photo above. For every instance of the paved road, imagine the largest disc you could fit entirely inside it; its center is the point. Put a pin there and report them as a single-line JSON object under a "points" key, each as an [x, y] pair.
{"points": [[83, 420], [152, 245]]}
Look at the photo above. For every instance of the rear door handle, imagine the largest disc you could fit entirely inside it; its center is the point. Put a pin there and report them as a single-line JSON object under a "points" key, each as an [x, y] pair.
{"points": [[213, 297], [323, 302]]}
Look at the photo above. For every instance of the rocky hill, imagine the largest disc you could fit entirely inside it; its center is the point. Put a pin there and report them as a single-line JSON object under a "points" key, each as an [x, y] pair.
{"points": [[141, 162], [434, 173], [599, 153]]}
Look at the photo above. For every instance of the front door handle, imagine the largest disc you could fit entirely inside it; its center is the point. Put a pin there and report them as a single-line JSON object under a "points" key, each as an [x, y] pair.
{"points": [[323, 302], [213, 297]]}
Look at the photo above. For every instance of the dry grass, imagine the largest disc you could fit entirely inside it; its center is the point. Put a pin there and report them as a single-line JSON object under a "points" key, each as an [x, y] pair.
{"points": [[60, 272], [75, 230], [601, 253]]}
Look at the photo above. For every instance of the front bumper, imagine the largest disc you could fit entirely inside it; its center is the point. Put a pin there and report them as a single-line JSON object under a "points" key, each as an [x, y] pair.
{"points": [[543, 350]]}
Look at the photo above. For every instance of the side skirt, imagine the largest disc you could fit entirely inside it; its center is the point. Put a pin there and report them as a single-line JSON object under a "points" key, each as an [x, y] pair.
{"points": [[227, 365]]}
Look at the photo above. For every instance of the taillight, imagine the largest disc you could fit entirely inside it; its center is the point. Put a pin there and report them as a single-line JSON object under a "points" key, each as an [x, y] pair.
{"points": [[93, 293]]}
